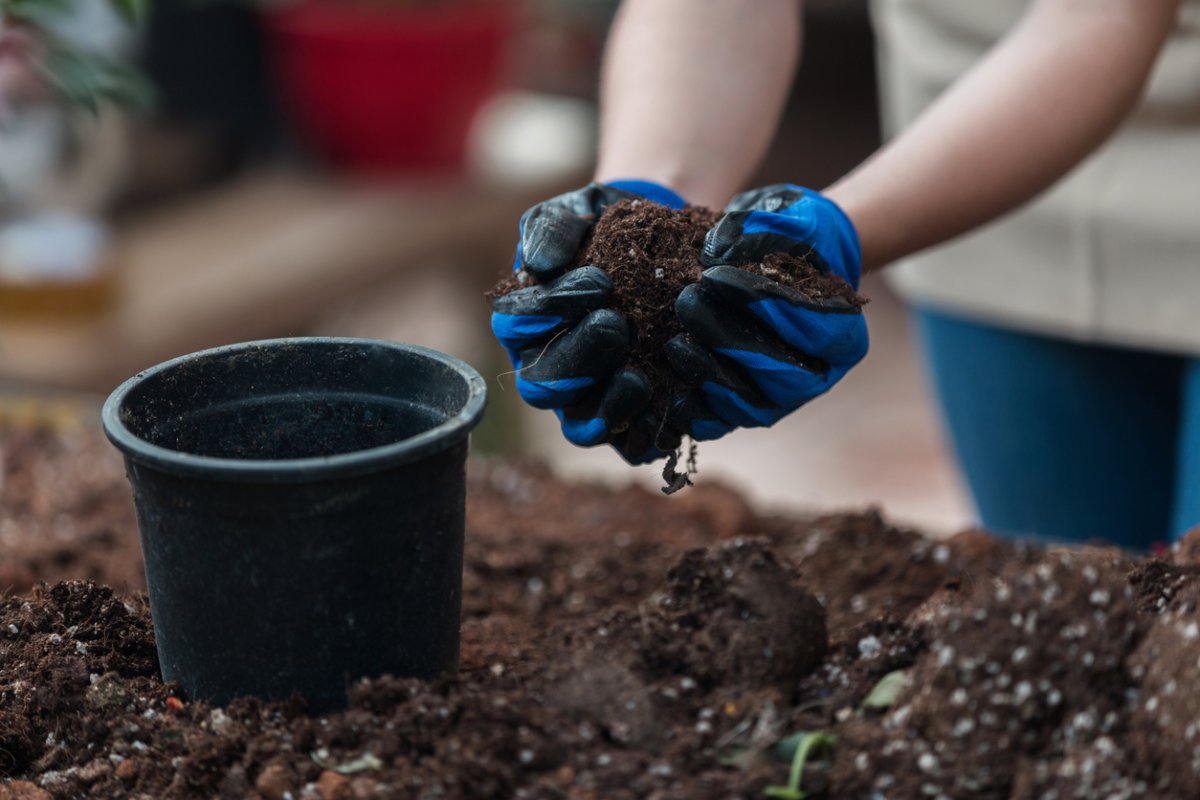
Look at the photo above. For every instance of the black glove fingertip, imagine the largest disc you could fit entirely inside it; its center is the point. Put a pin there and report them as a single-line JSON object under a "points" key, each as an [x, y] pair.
{"points": [[592, 349], [773, 198], [703, 315], [687, 360], [741, 287], [647, 439], [721, 241], [627, 395], [607, 412], [550, 236], [698, 365]]}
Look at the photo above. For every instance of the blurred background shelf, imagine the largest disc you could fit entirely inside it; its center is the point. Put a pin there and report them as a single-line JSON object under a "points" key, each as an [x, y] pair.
{"points": [[257, 257]]}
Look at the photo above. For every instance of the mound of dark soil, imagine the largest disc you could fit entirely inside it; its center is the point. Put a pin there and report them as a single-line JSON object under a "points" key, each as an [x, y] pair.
{"points": [[617, 644], [734, 613]]}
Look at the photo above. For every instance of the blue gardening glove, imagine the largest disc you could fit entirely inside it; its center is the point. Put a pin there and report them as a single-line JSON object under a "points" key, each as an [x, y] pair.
{"points": [[784, 218], [567, 347], [756, 350]]}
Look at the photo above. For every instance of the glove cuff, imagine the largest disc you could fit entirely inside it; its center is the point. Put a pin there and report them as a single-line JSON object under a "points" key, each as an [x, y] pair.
{"points": [[854, 263], [846, 230], [654, 192]]}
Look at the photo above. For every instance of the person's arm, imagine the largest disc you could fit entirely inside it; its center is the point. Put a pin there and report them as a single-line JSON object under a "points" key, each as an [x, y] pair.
{"points": [[692, 91], [1043, 99]]}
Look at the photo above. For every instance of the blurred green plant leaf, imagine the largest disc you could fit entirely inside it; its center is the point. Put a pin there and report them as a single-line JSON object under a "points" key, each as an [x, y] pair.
{"points": [[39, 12], [799, 747], [35, 12], [884, 693], [738, 757], [82, 78], [133, 10], [88, 80]]}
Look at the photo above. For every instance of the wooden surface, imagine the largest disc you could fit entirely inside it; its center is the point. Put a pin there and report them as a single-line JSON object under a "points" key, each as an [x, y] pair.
{"points": [[254, 259]]}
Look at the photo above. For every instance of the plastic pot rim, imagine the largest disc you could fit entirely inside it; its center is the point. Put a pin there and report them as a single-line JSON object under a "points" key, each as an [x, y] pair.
{"points": [[296, 470]]}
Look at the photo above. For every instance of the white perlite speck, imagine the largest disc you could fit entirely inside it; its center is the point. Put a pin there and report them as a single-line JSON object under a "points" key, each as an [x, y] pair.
{"points": [[869, 646]]}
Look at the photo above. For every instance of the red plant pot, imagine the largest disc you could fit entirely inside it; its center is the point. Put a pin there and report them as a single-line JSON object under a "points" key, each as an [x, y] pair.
{"points": [[385, 88]]}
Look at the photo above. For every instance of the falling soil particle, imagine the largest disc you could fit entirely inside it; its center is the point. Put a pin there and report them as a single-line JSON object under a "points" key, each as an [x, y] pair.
{"points": [[651, 253], [620, 645]]}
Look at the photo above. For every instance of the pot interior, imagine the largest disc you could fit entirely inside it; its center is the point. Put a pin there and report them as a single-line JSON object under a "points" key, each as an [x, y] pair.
{"points": [[294, 399], [312, 425]]}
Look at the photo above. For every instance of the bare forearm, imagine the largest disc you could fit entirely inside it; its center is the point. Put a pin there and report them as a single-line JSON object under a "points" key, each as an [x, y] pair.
{"points": [[1048, 95], [692, 91]]}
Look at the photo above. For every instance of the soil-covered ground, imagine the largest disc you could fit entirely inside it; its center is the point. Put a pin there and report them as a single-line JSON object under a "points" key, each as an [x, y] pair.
{"points": [[619, 644]]}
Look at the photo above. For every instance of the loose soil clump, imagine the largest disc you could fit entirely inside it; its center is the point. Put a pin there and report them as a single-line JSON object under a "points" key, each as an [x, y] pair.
{"points": [[617, 644], [734, 613], [651, 253]]}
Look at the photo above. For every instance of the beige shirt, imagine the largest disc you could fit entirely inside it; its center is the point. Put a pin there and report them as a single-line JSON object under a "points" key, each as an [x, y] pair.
{"points": [[1109, 254]]}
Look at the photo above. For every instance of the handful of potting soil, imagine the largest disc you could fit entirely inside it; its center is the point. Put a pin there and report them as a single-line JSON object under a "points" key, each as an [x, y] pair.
{"points": [[668, 323]]}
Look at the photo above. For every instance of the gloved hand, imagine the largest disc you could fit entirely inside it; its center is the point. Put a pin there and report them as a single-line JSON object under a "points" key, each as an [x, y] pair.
{"points": [[756, 350], [566, 346]]}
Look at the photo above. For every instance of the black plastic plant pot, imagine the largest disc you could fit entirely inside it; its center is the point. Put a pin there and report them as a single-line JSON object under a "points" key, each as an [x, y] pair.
{"points": [[301, 506]]}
